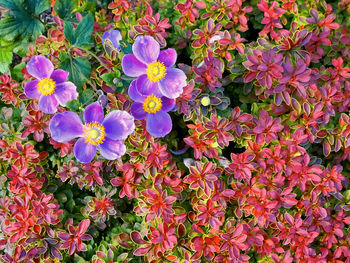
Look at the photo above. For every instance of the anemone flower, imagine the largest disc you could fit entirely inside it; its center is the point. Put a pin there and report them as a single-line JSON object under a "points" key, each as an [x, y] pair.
{"points": [[150, 104], [105, 134], [50, 87], [153, 68], [111, 39]]}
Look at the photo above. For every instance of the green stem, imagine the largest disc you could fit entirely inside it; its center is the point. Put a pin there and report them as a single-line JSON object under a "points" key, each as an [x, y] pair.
{"points": [[96, 57]]}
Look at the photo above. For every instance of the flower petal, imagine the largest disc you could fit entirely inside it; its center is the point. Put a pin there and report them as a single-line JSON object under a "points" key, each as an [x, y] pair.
{"points": [[40, 67], [146, 49], [118, 125], [173, 83], [48, 104], [31, 90], [65, 91], [93, 112], [167, 104], [132, 66], [83, 151], [134, 94], [59, 76], [137, 111], [113, 36], [159, 124], [66, 126], [112, 149], [168, 57], [146, 87]]}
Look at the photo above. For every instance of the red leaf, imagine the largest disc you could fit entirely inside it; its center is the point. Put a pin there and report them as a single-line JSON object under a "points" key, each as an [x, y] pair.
{"points": [[83, 226], [141, 251], [136, 237]]}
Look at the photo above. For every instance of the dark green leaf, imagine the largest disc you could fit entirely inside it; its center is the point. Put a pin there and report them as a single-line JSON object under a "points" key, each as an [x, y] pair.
{"points": [[84, 30], [86, 95], [79, 69], [82, 34], [22, 21], [65, 9], [38, 6], [69, 32]]}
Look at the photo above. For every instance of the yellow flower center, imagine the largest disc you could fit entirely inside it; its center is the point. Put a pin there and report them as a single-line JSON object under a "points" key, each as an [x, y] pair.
{"points": [[156, 71], [94, 133], [46, 86], [152, 104]]}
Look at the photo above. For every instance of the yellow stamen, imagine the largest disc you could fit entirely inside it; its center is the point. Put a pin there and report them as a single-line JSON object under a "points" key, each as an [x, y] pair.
{"points": [[156, 71], [152, 104], [94, 133], [47, 86]]}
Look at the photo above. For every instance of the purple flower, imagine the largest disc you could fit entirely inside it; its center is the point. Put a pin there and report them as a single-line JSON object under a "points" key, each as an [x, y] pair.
{"points": [[105, 134], [153, 68], [50, 87], [110, 39], [150, 104]]}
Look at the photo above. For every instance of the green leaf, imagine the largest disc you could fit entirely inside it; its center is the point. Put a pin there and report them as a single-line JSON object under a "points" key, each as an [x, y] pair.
{"points": [[79, 69], [82, 34], [5, 61], [22, 21], [110, 77], [69, 32], [86, 95], [65, 9], [84, 30], [16, 71], [73, 105]]}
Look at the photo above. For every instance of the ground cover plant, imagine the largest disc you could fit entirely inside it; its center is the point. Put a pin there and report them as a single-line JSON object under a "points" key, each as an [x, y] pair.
{"points": [[174, 131]]}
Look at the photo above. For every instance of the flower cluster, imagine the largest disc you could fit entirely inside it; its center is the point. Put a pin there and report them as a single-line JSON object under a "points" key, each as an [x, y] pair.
{"points": [[157, 86]]}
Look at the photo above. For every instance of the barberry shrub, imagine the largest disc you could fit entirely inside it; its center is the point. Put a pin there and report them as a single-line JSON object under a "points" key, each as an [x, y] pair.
{"points": [[174, 131]]}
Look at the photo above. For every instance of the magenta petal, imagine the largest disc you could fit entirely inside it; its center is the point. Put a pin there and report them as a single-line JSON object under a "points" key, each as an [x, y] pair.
{"points": [[146, 87], [146, 49], [65, 91], [167, 104], [134, 94], [83, 151], [66, 126], [48, 104], [159, 124], [132, 66], [31, 90], [40, 67], [93, 112], [173, 83], [112, 149], [168, 57], [137, 111], [118, 125], [59, 76]]}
